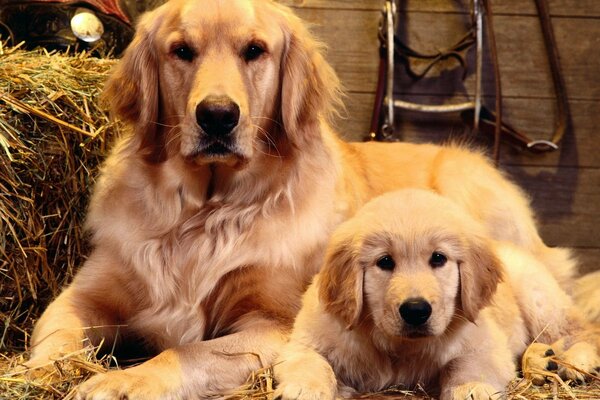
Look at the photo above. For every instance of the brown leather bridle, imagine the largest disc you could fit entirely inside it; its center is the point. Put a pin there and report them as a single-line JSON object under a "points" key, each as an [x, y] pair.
{"points": [[474, 114]]}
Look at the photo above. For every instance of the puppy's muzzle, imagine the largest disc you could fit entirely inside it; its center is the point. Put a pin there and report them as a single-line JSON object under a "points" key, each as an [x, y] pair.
{"points": [[415, 311], [217, 116]]}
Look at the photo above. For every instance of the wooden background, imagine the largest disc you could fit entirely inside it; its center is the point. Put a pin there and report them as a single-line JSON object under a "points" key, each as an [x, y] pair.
{"points": [[564, 185]]}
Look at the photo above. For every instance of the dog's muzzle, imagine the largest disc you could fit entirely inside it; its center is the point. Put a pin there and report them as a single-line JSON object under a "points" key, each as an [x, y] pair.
{"points": [[218, 117]]}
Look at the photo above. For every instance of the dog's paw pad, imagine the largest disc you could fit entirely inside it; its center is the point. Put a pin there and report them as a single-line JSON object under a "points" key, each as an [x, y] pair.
{"points": [[552, 366]]}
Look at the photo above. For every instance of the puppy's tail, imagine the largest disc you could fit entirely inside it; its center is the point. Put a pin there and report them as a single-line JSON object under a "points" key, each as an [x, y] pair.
{"points": [[586, 293]]}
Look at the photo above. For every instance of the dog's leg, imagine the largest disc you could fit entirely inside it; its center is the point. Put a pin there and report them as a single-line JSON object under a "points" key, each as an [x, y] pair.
{"points": [[83, 315], [59, 332], [303, 374], [192, 371], [70, 324]]}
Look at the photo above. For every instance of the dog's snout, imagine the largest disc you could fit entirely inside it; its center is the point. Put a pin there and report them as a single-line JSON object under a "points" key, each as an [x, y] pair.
{"points": [[415, 311], [217, 115]]}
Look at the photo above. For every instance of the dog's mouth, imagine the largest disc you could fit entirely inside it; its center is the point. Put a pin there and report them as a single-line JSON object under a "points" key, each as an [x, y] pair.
{"points": [[218, 151], [414, 333]]}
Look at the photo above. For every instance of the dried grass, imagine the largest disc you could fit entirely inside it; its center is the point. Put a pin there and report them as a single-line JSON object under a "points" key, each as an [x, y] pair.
{"points": [[56, 382], [53, 135], [73, 369]]}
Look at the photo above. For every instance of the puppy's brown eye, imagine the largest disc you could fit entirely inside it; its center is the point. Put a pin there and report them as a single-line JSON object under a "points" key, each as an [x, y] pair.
{"points": [[253, 51], [437, 259], [183, 52], [386, 263]]}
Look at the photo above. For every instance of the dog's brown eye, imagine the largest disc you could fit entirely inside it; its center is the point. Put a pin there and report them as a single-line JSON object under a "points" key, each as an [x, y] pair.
{"points": [[253, 51], [386, 263], [437, 259], [183, 52]]}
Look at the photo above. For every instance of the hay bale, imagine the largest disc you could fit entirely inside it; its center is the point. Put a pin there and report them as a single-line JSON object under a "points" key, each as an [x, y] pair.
{"points": [[53, 136]]}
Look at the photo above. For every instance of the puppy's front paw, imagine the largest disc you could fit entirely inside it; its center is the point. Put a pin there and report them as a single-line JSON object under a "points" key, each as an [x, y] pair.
{"points": [[304, 375], [303, 391], [475, 391], [132, 384]]}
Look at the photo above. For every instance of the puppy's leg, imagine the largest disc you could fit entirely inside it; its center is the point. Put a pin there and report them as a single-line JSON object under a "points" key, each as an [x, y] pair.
{"points": [[192, 371], [579, 361], [577, 356], [304, 374], [574, 356], [478, 376]]}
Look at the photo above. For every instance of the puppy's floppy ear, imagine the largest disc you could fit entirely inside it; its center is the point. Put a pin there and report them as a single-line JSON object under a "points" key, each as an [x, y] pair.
{"points": [[480, 274], [341, 280], [132, 90], [310, 89]]}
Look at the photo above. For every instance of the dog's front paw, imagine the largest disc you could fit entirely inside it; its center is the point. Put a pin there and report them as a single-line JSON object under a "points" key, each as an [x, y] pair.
{"points": [[303, 391], [475, 391], [579, 362], [132, 384]]}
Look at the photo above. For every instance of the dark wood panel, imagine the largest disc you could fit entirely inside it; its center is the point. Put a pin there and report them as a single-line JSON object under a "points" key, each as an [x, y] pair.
{"points": [[520, 47], [566, 201], [534, 116], [587, 259], [582, 8]]}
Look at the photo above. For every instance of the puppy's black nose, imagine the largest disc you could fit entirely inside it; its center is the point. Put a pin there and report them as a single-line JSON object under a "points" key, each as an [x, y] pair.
{"points": [[415, 311], [217, 115]]}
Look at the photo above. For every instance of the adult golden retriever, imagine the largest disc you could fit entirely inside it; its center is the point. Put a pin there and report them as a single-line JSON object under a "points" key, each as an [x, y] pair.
{"points": [[413, 291], [210, 218]]}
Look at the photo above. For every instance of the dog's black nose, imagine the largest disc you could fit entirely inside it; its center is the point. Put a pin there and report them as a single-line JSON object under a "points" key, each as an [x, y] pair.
{"points": [[415, 311], [217, 115]]}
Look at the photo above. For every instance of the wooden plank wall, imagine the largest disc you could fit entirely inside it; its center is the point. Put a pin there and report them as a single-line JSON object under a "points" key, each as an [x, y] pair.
{"points": [[564, 185]]}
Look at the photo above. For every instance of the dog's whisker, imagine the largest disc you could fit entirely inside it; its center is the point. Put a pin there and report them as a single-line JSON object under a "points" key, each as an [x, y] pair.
{"points": [[162, 124], [278, 123], [270, 142]]}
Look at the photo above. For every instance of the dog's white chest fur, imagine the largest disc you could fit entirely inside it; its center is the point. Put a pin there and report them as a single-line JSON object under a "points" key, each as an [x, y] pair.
{"points": [[180, 256]]}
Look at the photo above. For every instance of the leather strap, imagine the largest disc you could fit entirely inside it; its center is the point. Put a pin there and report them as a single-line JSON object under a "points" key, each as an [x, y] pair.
{"points": [[488, 119]]}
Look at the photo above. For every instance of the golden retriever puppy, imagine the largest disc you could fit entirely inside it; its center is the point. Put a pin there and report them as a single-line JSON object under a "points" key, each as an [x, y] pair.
{"points": [[212, 214], [413, 291]]}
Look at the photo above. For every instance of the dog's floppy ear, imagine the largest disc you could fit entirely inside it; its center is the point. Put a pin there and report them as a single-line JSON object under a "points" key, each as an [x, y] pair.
{"points": [[480, 274], [310, 89], [341, 280], [132, 90]]}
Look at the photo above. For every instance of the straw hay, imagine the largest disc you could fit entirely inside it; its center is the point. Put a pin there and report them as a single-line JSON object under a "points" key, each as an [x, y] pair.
{"points": [[53, 136]]}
